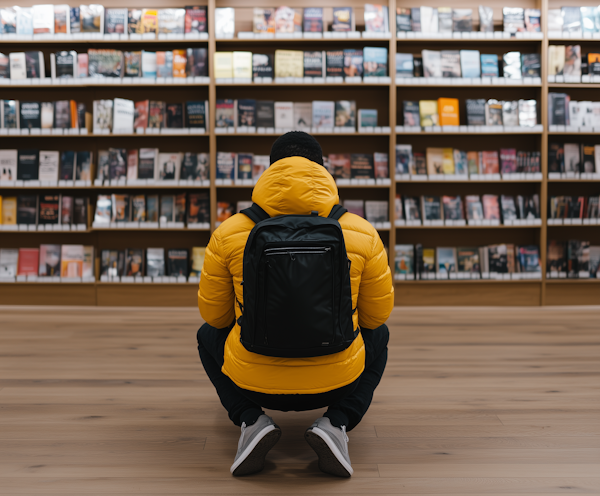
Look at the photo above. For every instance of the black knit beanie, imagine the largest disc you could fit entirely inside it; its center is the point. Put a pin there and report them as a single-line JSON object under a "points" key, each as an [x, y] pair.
{"points": [[297, 144]]}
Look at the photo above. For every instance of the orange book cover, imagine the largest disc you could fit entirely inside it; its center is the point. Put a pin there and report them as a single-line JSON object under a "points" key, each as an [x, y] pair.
{"points": [[448, 111], [179, 63], [73, 108]]}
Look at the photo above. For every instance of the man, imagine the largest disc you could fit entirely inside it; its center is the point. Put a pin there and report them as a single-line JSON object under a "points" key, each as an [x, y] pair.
{"points": [[295, 183]]}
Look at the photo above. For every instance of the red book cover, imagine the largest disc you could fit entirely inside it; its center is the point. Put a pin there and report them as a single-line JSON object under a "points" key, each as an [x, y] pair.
{"points": [[341, 165], [141, 114], [380, 161], [490, 163], [28, 262], [491, 207]]}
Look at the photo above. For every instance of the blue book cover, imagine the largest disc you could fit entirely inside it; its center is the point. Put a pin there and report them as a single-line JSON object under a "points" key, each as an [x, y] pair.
{"points": [[148, 64], [470, 64], [489, 65], [375, 61]]}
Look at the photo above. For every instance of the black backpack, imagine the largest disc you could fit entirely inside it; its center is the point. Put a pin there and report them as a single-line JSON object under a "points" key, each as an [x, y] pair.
{"points": [[297, 292]]}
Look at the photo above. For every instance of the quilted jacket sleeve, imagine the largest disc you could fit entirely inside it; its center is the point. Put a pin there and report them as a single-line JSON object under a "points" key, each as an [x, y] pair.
{"points": [[376, 291], [216, 298]]}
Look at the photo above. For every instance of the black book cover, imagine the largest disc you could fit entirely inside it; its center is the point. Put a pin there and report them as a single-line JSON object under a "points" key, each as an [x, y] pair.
{"points": [[28, 165], [557, 110], [26, 209], [174, 115], [265, 113], [30, 115], [361, 166], [81, 115], [80, 211], [335, 63], [262, 65], [246, 112], [417, 66], [195, 114], [313, 64], [531, 65], [196, 62], [556, 157], [117, 163], [32, 65], [498, 260], [476, 112], [189, 163], [403, 19], [177, 262], [48, 209], [198, 208], [415, 18], [62, 114], [135, 262], [411, 113], [585, 68], [67, 165], [64, 64]]}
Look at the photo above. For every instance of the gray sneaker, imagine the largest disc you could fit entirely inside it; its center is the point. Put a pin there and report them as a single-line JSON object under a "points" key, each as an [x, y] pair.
{"points": [[255, 442], [331, 445]]}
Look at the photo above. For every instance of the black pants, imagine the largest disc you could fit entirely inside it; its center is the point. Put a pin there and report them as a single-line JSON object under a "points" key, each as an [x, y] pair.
{"points": [[346, 405]]}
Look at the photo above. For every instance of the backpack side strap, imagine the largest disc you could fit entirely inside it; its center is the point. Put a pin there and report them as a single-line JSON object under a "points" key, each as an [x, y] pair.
{"points": [[255, 213], [336, 212]]}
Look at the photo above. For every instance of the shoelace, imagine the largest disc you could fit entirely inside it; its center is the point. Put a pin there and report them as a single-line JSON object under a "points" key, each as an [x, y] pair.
{"points": [[344, 432], [241, 441]]}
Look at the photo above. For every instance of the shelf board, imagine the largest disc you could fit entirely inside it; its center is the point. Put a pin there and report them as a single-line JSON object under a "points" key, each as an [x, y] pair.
{"points": [[571, 133], [474, 86], [105, 188], [100, 85], [573, 225], [469, 133], [8, 41], [92, 135], [257, 135], [501, 226], [87, 231], [470, 281], [572, 281], [573, 180], [470, 41], [308, 85], [138, 229], [468, 181], [574, 85], [300, 41]]}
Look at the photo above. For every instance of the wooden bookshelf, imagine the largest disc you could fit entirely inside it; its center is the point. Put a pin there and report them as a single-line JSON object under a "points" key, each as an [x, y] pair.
{"points": [[386, 97]]}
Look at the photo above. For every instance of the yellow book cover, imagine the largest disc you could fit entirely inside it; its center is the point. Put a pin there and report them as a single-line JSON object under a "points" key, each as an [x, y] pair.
{"points": [[428, 111], [242, 65], [435, 160], [289, 63], [149, 23], [198, 253], [223, 64], [9, 210], [448, 161], [71, 261], [448, 110], [179, 63]]}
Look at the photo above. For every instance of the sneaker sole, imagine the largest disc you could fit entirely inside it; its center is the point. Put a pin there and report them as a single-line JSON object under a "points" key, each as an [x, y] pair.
{"points": [[331, 461], [254, 459]]}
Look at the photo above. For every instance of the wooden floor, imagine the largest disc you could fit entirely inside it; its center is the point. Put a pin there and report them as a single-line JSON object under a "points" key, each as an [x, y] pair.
{"points": [[474, 401]]}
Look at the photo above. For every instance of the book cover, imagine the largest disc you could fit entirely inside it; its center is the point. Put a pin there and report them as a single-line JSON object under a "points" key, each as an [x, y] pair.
{"points": [[198, 208], [345, 114], [224, 211], [115, 21], [177, 262], [533, 20], [468, 260], [511, 65], [375, 61], [49, 260], [510, 113], [263, 20], [491, 207], [531, 65], [226, 163], [572, 65], [284, 115], [462, 20], [405, 259], [376, 211], [411, 113], [429, 20], [435, 161], [341, 165], [323, 114], [262, 65], [66, 64], [195, 19], [448, 161], [71, 261], [353, 63], [460, 162], [489, 65], [361, 166], [134, 21], [509, 209], [428, 111], [453, 209], [8, 165], [450, 63], [48, 166], [313, 20], [290, 63], [133, 64], [302, 115], [470, 63], [527, 113], [27, 209], [49, 209], [448, 112], [489, 162], [152, 206], [403, 22], [171, 21], [27, 164], [28, 262], [141, 114], [493, 113], [404, 159], [149, 66], [265, 113], [174, 115], [571, 20], [446, 261], [284, 20], [367, 118], [67, 165], [508, 160], [415, 19], [197, 62], [42, 19], [376, 18], [513, 19], [155, 261], [224, 22], [381, 165], [167, 208], [148, 158], [404, 65], [169, 165], [445, 20], [343, 19], [91, 18], [334, 63], [195, 114], [432, 63], [30, 115]]}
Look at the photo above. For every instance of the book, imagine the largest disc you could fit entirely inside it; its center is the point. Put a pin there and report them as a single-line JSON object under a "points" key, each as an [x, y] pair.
{"points": [[462, 20], [140, 119], [345, 114], [27, 263], [404, 65], [195, 19], [403, 22], [8, 165], [509, 209], [198, 208], [513, 19], [448, 112], [226, 165], [571, 20], [27, 209], [123, 116], [224, 22], [376, 18], [468, 260], [432, 63], [511, 65], [263, 20], [91, 18], [493, 113], [103, 115], [149, 21], [27, 164], [334, 63], [428, 111], [491, 207], [448, 161], [284, 115], [404, 159], [43, 19], [510, 113], [343, 19], [155, 261], [49, 264], [224, 211], [530, 65], [435, 159], [476, 112], [533, 20], [48, 209], [195, 114], [303, 115], [446, 261], [508, 160], [419, 164], [415, 19], [486, 19], [148, 158], [30, 115], [169, 165], [149, 65], [115, 21], [381, 165], [265, 113], [429, 20], [223, 65], [313, 20], [177, 262], [460, 162], [71, 261], [134, 21], [453, 209], [367, 118], [48, 166], [376, 211], [353, 63], [262, 65], [284, 20], [445, 20], [470, 63], [67, 165], [361, 166], [489, 162], [65, 63], [341, 165], [527, 113], [375, 62], [450, 63], [323, 114], [179, 63], [411, 113], [405, 260], [242, 65], [572, 63], [290, 63], [489, 65], [224, 113], [174, 116], [171, 21]]}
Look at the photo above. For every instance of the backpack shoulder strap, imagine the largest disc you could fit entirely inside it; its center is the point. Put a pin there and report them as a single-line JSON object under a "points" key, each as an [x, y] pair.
{"points": [[336, 212], [255, 213]]}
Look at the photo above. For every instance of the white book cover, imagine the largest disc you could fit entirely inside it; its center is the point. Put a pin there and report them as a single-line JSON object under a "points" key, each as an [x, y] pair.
{"points": [[586, 113], [242, 65], [8, 165], [376, 211], [103, 115], [432, 63], [88, 261], [71, 261], [24, 20], [575, 113], [168, 168], [8, 262], [171, 21], [47, 115], [284, 114], [49, 162], [123, 116], [470, 63], [323, 113], [429, 20], [302, 115], [148, 64], [18, 68], [224, 22], [43, 19], [596, 115]]}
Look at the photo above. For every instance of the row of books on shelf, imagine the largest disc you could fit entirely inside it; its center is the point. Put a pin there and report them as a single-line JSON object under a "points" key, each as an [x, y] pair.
{"points": [[573, 210], [30, 117], [485, 210], [453, 164], [115, 66], [491, 114], [566, 64], [572, 259], [44, 213], [191, 210], [45, 167], [574, 22], [445, 66], [352, 65], [48, 263], [294, 23], [267, 116], [565, 114], [573, 161], [54, 22], [500, 261]]}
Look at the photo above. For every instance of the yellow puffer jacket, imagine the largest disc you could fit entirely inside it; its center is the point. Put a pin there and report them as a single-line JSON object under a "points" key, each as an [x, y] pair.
{"points": [[294, 186]]}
